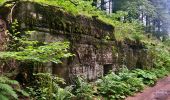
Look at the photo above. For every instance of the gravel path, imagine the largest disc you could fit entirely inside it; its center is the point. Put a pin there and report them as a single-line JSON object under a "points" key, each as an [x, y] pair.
{"points": [[161, 91]]}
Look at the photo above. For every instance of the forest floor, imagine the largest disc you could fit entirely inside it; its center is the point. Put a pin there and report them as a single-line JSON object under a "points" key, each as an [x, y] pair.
{"points": [[161, 91]]}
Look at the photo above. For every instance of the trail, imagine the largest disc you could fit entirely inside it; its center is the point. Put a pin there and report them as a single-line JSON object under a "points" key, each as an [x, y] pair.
{"points": [[161, 91]]}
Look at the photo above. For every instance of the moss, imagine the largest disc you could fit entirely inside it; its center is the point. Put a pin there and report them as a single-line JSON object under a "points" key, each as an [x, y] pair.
{"points": [[114, 50]]}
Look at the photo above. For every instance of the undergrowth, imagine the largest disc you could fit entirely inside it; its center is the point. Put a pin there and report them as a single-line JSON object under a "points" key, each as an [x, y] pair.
{"points": [[46, 87], [119, 86], [10, 89], [110, 87]]}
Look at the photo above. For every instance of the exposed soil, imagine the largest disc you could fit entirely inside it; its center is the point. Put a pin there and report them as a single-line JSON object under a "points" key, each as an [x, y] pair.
{"points": [[161, 91]]}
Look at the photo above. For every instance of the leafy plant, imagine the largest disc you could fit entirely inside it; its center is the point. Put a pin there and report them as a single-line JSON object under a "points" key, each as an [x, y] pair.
{"points": [[118, 86], [161, 72], [51, 52], [46, 87], [136, 84], [130, 78], [6, 90], [112, 87], [147, 77], [82, 90], [23, 49]]}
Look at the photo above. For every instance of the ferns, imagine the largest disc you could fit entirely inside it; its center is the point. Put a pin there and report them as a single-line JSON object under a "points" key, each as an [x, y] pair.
{"points": [[6, 91], [51, 52], [82, 89], [127, 82], [2, 97], [46, 87], [7, 80]]}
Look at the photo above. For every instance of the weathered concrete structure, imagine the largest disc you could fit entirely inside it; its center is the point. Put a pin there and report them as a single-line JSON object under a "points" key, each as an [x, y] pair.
{"points": [[95, 54], [3, 34]]}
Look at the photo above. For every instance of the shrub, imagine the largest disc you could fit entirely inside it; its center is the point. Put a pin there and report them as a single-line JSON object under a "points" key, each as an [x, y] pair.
{"points": [[148, 77], [112, 87], [160, 72], [46, 87], [118, 86], [83, 90]]}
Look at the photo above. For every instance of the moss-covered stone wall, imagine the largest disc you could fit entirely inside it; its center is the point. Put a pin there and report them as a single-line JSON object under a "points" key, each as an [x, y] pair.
{"points": [[92, 41]]}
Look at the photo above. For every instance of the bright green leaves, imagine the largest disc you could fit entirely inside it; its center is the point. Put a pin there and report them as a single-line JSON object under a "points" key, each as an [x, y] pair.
{"points": [[52, 52], [83, 90], [118, 86], [46, 87], [147, 77], [73, 6], [7, 92], [22, 48]]}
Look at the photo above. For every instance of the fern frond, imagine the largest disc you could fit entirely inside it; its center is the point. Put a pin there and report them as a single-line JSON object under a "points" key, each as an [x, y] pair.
{"points": [[2, 97], [7, 80], [7, 90]]}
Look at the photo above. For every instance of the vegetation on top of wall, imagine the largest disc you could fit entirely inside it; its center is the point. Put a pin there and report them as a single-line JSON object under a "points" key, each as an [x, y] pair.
{"points": [[123, 29], [132, 30]]}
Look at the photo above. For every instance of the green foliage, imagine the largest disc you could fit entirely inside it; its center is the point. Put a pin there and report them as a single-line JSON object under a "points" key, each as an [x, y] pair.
{"points": [[118, 86], [135, 8], [83, 90], [46, 87], [21, 48], [161, 72], [148, 77], [131, 30], [167, 42], [51, 52], [113, 86], [73, 6], [161, 55], [19, 41], [123, 29], [6, 90]]}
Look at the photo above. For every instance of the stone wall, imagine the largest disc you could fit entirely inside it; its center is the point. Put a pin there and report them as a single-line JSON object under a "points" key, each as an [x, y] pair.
{"points": [[3, 34], [95, 55]]}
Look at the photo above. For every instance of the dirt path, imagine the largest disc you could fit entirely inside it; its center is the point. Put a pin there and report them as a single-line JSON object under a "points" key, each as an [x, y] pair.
{"points": [[161, 91]]}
